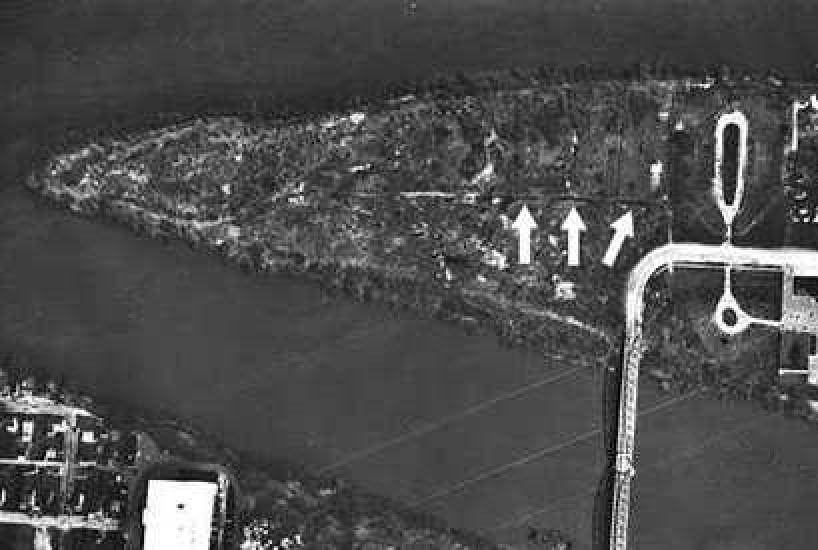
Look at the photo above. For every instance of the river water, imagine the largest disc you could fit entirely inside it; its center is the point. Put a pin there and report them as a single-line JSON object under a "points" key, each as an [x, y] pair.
{"points": [[492, 439]]}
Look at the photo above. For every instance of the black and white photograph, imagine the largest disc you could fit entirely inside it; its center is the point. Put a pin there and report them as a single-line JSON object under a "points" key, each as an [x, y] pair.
{"points": [[408, 274]]}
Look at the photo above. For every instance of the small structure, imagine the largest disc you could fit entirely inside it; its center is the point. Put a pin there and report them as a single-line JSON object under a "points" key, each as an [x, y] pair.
{"points": [[179, 514], [564, 291], [799, 315], [656, 170]]}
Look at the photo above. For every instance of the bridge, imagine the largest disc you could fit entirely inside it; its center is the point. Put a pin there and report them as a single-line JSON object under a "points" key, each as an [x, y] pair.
{"points": [[799, 313]]}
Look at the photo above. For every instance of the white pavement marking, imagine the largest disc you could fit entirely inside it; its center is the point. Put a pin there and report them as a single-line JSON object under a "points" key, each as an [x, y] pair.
{"points": [[524, 224], [623, 228], [436, 425], [522, 461], [573, 225]]}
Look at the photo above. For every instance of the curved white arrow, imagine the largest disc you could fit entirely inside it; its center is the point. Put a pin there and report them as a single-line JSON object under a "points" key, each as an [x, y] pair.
{"points": [[623, 228]]}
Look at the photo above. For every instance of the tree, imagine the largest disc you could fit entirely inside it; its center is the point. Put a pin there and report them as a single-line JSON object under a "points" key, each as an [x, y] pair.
{"points": [[520, 76], [465, 83], [582, 73], [545, 72]]}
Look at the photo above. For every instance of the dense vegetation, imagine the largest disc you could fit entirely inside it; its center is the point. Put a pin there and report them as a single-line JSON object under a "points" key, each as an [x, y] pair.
{"points": [[409, 198]]}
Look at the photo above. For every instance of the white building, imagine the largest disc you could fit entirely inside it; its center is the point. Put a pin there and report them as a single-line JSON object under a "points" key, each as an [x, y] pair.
{"points": [[656, 170], [178, 514]]}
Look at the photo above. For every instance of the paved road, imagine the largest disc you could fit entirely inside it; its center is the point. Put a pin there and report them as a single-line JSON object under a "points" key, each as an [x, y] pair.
{"points": [[410, 408], [799, 262]]}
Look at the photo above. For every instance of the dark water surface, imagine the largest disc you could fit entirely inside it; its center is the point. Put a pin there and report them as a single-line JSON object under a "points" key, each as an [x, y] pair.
{"points": [[71, 64], [273, 367], [410, 408]]}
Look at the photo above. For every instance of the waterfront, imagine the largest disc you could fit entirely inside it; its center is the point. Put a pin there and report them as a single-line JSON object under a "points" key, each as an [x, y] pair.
{"points": [[276, 368]]}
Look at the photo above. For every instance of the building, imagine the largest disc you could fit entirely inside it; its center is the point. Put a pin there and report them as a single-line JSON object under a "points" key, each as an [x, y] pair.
{"points": [[799, 321], [178, 514], [182, 505]]}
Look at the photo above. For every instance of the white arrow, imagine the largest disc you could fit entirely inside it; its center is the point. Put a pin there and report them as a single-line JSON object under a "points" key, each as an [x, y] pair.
{"points": [[524, 224], [573, 224], [623, 228]]}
